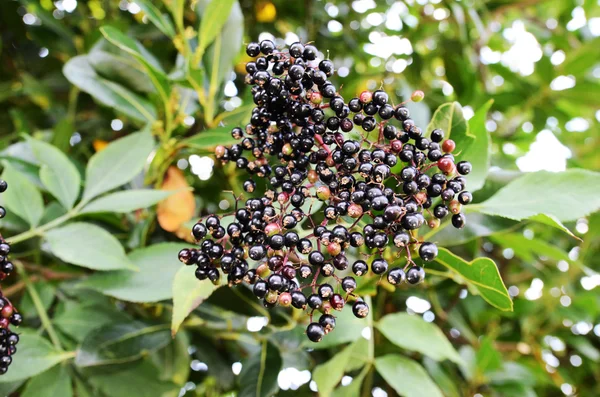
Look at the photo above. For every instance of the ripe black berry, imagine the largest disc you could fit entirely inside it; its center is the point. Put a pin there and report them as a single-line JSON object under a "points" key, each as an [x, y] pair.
{"points": [[315, 332]]}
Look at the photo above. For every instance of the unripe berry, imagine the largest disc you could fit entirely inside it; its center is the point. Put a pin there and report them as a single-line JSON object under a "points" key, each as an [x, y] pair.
{"points": [[417, 96]]}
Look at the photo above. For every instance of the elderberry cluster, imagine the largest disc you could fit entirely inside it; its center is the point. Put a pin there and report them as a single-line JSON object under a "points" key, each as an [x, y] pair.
{"points": [[348, 184], [8, 313]]}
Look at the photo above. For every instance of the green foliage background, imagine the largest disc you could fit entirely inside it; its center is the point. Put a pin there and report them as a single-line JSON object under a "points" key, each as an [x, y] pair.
{"points": [[98, 279]]}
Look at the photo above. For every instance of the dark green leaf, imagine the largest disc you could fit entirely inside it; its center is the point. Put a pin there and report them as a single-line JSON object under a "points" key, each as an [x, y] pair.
{"points": [[259, 373], [58, 174], [53, 383], [22, 197], [120, 343], [80, 73], [88, 245], [117, 164], [152, 281], [80, 319], [417, 335], [480, 273], [406, 376], [139, 379], [127, 201]]}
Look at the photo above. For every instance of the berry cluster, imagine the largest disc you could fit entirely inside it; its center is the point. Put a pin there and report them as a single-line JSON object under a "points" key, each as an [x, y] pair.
{"points": [[8, 313], [375, 177]]}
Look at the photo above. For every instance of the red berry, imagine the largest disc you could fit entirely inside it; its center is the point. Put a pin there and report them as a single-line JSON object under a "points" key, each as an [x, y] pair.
{"points": [[365, 96], [445, 164], [448, 146]]}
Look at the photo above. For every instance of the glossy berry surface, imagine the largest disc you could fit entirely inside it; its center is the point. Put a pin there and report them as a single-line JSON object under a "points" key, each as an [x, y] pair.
{"points": [[337, 189], [8, 313]]}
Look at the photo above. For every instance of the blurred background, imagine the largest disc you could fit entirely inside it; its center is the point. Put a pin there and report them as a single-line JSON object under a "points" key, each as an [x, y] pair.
{"points": [[539, 61]]}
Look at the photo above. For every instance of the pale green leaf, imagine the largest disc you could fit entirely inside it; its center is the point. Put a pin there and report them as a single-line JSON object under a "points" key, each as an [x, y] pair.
{"points": [[162, 22], [566, 196], [58, 174], [88, 245], [22, 197], [188, 293], [328, 374], [213, 17], [80, 73], [478, 151], [412, 333], [127, 201], [406, 377], [117, 164], [153, 281], [35, 355]]}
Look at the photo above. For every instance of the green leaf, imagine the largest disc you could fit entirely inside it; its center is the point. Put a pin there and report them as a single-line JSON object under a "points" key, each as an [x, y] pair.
{"points": [[54, 382], [478, 152], [546, 193], [79, 320], [188, 293], [329, 374], [130, 46], [117, 164], [157, 266], [162, 22], [35, 355], [80, 73], [214, 17], [58, 174], [406, 376], [119, 343], [487, 358], [22, 197], [449, 118], [580, 60], [552, 221], [415, 334], [529, 249], [353, 389], [259, 372], [478, 225], [482, 274], [88, 245], [139, 379], [220, 55], [117, 66], [127, 201], [445, 381], [209, 140]]}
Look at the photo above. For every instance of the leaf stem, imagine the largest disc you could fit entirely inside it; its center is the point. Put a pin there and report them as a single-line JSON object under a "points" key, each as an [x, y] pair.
{"points": [[40, 230], [39, 306]]}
